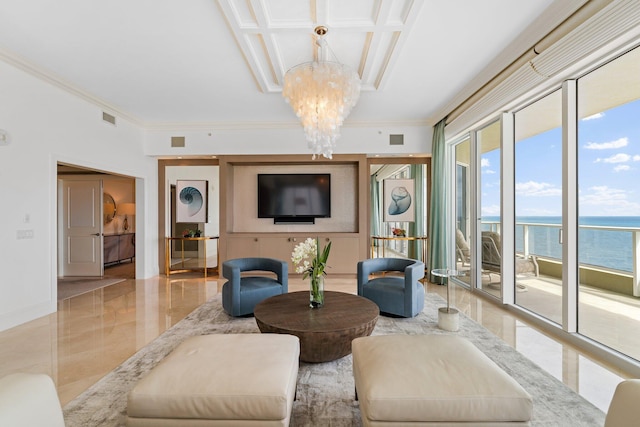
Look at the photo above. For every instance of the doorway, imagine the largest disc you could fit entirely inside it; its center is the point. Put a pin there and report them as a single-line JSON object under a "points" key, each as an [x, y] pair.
{"points": [[112, 232]]}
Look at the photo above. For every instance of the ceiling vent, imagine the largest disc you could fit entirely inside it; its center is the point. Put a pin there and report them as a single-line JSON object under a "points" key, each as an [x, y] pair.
{"points": [[396, 139], [177, 141], [108, 118]]}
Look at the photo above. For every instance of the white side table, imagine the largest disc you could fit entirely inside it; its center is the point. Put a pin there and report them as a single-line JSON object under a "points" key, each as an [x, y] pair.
{"points": [[448, 317]]}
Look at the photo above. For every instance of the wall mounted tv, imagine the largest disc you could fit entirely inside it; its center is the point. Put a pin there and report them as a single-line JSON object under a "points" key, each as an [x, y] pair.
{"points": [[294, 198]]}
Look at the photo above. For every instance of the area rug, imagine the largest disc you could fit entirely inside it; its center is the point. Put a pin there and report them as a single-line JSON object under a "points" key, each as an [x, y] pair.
{"points": [[325, 394], [72, 287]]}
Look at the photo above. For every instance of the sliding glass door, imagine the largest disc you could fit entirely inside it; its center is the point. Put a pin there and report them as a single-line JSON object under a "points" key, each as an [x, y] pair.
{"points": [[609, 204], [538, 205], [553, 188], [488, 140], [463, 211]]}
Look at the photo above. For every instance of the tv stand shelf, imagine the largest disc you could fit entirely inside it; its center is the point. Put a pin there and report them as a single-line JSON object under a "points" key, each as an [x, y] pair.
{"points": [[343, 258]]}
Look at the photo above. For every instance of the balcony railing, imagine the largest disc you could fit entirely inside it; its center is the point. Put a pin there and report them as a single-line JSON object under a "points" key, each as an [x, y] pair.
{"points": [[609, 256]]}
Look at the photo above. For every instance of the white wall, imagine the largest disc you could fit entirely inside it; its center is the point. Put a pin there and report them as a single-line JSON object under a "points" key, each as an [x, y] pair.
{"points": [[48, 125], [274, 140]]}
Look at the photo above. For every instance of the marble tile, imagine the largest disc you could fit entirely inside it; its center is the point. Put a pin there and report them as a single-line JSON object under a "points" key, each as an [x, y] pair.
{"points": [[93, 333]]}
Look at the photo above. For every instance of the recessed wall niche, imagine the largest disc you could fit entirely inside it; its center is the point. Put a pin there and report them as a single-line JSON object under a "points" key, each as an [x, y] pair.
{"points": [[344, 200]]}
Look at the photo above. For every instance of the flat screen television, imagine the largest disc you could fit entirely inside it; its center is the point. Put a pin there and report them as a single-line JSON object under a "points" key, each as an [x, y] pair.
{"points": [[294, 197]]}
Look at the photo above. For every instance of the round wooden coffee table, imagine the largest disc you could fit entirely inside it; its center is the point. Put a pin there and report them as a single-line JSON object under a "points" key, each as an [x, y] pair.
{"points": [[325, 333]]}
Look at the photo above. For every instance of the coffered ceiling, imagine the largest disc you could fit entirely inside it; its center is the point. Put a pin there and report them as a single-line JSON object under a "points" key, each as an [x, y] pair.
{"points": [[221, 62], [276, 36]]}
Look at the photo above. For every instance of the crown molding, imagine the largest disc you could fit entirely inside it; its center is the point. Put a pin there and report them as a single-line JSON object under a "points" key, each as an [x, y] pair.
{"points": [[553, 16], [608, 32], [59, 82], [23, 64], [212, 126]]}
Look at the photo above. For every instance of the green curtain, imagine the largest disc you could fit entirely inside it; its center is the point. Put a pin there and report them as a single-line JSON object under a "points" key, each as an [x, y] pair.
{"points": [[416, 228], [438, 243], [375, 206]]}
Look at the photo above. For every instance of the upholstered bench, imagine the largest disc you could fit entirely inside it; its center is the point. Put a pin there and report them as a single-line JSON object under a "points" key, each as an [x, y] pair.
{"points": [[220, 380], [433, 380], [28, 400]]}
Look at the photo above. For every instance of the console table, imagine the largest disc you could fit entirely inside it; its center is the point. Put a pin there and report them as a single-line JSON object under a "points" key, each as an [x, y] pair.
{"points": [[167, 259], [118, 247], [375, 249]]}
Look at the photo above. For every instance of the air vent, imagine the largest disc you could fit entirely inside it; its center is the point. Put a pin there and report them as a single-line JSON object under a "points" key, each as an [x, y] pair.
{"points": [[4, 137], [108, 118], [177, 141], [396, 139]]}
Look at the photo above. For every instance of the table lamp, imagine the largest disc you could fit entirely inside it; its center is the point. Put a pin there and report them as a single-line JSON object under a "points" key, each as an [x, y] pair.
{"points": [[126, 209]]}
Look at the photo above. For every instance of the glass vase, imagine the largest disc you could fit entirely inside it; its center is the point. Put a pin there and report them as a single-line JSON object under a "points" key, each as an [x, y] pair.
{"points": [[316, 292]]}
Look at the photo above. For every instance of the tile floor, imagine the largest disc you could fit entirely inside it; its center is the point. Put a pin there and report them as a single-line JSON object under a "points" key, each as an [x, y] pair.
{"points": [[93, 333]]}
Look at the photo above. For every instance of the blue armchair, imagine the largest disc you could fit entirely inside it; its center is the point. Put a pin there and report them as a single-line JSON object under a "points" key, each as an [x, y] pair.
{"points": [[241, 294], [395, 295]]}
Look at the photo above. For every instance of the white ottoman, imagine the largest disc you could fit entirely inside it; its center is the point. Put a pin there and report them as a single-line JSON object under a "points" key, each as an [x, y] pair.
{"points": [[28, 400], [439, 380], [220, 380]]}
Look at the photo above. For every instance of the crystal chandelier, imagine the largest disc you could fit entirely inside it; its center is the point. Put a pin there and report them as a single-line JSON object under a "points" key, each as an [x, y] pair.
{"points": [[322, 94]]}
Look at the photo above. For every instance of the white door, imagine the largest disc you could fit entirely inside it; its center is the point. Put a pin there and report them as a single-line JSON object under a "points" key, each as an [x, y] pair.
{"points": [[81, 228]]}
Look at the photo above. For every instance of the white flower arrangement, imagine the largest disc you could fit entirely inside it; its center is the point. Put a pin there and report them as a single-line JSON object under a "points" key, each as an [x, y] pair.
{"points": [[307, 258], [311, 263]]}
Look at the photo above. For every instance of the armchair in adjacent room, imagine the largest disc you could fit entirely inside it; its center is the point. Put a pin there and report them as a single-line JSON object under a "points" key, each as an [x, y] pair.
{"points": [[396, 295], [241, 293]]}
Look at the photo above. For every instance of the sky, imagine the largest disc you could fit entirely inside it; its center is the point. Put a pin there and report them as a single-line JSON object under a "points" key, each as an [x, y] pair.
{"points": [[608, 168]]}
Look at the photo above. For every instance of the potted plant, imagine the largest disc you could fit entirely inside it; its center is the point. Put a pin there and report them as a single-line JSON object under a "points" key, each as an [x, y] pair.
{"points": [[192, 233], [399, 232]]}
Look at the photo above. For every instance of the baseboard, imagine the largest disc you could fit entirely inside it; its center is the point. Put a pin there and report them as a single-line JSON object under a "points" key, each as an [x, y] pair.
{"points": [[26, 314]]}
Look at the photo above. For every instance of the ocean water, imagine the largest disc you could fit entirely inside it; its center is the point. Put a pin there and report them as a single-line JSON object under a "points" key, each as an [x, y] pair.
{"points": [[597, 247]]}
